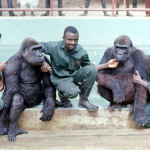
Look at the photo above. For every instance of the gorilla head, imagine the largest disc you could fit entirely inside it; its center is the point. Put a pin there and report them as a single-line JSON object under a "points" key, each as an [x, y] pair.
{"points": [[122, 48], [32, 52]]}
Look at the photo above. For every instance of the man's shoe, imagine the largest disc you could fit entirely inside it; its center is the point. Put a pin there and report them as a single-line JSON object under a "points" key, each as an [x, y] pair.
{"points": [[84, 102], [45, 14], [65, 102]]}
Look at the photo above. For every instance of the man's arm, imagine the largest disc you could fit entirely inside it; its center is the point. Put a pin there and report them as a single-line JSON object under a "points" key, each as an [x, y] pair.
{"points": [[137, 79], [113, 63], [46, 67], [2, 65]]}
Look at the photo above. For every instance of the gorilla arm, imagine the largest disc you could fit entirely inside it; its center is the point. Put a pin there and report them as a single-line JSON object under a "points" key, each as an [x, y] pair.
{"points": [[49, 103], [11, 80], [140, 65]]}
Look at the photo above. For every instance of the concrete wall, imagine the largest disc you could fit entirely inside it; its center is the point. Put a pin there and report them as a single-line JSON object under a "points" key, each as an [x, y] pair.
{"points": [[95, 34]]}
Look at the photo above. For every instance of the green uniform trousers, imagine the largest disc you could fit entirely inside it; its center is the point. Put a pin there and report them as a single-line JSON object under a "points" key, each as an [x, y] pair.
{"points": [[69, 86], [1, 104]]}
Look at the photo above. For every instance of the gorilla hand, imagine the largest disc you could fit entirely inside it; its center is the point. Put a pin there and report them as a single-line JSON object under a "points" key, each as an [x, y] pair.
{"points": [[48, 111]]}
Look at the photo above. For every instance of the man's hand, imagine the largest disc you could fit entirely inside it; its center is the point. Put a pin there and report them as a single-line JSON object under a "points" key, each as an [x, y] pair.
{"points": [[2, 65], [1, 83], [46, 67], [137, 78], [113, 63]]}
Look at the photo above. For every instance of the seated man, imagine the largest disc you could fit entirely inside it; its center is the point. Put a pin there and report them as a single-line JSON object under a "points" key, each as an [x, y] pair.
{"points": [[2, 66], [71, 68], [137, 80]]}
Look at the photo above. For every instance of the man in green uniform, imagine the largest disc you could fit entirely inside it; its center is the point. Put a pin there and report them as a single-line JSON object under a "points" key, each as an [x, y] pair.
{"points": [[137, 79], [71, 68], [2, 66]]}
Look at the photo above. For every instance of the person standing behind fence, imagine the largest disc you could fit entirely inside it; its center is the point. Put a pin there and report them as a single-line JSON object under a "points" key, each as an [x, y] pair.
{"points": [[9, 5], [60, 5], [87, 3], [29, 3], [2, 66], [134, 2], [127, 2], [147, 3]]}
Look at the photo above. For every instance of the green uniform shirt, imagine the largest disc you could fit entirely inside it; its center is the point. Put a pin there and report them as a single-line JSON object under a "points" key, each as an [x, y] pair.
{"points": [[64, 64], [148, 84]]}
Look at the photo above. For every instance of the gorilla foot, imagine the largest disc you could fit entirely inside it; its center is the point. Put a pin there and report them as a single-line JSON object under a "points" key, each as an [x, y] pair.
{"points": [[119, 98], [113, 107], [18, 132], [3, 131], [12, 134], [139, 116]]}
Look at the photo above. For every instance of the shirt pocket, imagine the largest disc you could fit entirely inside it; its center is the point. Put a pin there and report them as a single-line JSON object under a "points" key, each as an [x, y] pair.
{"points": [[76, 63]]}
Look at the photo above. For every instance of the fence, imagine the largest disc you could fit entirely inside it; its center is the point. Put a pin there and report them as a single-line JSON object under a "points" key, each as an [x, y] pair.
{"points": [[52, 9]]}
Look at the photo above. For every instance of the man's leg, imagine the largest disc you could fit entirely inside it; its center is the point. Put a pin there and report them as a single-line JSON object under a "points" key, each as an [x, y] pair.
{"points": [[103, 2], [147, 4], [47, 5], [117, 6], [10, 5], [86, 76], [127, 6], [134, 2], [1, 104], [67, 89], [0, 7], [60, 5], [87, 3]]}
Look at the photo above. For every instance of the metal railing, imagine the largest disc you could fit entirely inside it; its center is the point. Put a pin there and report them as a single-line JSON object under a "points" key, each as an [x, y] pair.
{"points": [[52, 9]]}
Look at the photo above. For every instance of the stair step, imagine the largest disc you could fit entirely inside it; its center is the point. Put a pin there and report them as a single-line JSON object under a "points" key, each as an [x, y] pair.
{"points": [[76, 119], [102, 139]]}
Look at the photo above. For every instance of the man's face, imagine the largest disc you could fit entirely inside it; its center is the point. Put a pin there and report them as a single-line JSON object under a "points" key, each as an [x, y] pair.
{"points": [[70, 41]]}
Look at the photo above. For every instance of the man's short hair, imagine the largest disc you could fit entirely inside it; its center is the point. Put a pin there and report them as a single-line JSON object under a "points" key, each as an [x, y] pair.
{"points": [[70, 29]]}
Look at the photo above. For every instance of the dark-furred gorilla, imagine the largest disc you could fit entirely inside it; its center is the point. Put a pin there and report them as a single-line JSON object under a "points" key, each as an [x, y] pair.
{"points": [[116, 85], [25, 86]]}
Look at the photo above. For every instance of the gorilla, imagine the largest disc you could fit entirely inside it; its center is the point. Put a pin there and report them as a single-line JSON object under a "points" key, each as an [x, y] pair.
{"points": [[25, 86], [116, 85]]}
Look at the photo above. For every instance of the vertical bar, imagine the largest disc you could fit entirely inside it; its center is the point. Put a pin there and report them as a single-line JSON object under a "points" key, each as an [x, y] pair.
{"points": [[113, 6], [51, 4]]}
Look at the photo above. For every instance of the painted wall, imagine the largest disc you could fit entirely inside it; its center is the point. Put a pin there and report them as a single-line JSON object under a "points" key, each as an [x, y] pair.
{"points": [[95, 34]]}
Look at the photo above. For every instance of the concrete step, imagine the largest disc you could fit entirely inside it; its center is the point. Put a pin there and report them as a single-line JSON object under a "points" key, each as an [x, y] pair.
{"points": [[76, 119], [102, 139]]}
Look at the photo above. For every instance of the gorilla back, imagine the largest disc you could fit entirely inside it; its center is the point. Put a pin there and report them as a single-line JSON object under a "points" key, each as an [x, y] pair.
{"points": [[116, 85], [25, 86]]}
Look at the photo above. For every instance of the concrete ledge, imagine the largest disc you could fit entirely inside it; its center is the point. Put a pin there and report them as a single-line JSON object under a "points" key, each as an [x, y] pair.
{"points": [[76, 119]]}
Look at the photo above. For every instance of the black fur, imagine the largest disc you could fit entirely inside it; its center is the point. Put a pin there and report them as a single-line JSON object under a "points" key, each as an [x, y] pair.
{"points": [[25, 86]]}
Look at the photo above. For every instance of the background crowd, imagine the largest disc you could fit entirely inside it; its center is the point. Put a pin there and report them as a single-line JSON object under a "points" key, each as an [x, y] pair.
{"points": [[33, 4]]}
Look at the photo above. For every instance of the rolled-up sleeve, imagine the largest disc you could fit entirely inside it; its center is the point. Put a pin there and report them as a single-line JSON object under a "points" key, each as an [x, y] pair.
{"points": [[85, 60], [47, 47]]}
